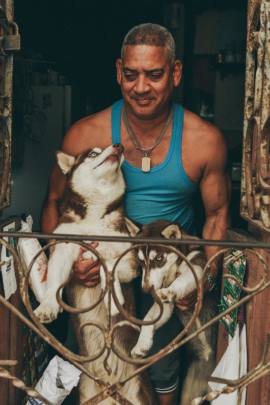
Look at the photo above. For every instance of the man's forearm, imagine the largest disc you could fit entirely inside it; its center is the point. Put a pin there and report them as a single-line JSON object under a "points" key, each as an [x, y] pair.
{"points": [[215, 228], [50, 217]]}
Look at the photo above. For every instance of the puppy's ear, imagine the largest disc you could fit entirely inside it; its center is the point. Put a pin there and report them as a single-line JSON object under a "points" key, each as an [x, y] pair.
{"points": [[133, 229], [65, 161], [172, 232]]}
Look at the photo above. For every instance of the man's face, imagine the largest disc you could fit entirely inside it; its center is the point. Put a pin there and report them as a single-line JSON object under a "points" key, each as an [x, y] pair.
{"points": [[147, 79]]}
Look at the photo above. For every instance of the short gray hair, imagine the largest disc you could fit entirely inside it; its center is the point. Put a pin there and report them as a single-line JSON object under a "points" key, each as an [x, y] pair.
{"points": [[153, 35]]}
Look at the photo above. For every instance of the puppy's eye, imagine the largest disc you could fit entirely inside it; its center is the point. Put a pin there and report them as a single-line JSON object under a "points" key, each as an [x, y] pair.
{"points": [[93, 154], [159, 258]]}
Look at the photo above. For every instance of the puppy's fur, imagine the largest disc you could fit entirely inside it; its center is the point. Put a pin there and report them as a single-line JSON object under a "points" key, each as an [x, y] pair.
{"points": [[92, 205], [172, 279]]}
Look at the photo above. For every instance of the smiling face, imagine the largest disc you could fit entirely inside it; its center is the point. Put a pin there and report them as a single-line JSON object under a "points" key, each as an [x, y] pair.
{"points": [[147, 79]]}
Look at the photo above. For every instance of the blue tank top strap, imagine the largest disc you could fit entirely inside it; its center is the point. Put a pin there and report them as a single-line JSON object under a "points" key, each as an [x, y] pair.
{"points": [[176, 140], [116, 121], [178, 121]]}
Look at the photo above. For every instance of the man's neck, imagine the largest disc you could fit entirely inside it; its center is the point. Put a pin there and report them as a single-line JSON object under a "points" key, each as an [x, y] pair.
{"points": [[147, 124]]}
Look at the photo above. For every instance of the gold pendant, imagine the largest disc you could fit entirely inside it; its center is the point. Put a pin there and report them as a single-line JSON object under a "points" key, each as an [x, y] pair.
{"points": [[146, 164]]}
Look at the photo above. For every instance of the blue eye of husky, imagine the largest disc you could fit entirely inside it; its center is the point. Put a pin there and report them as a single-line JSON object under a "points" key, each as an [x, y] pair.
{"points": [[93, 154]]}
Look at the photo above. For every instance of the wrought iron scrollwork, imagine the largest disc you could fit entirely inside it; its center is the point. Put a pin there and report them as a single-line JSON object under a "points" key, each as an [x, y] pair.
{"points": [[128, 320]]}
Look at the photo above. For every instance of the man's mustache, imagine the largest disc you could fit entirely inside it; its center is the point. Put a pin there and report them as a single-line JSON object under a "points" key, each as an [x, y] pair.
{"points": [[135, 97]]}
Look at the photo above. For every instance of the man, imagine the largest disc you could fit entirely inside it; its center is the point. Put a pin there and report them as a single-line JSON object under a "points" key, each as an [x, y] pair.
{"points": [[169, 152]]}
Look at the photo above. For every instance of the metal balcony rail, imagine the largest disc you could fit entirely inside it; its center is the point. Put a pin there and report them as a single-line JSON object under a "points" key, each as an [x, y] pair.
{"points": [[248, 292]]}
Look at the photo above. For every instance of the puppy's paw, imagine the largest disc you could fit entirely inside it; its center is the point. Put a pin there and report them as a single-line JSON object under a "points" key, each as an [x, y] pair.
{"points": [[47, 312], [89, 255], [139, 351], [166, 295], [144, 343]]}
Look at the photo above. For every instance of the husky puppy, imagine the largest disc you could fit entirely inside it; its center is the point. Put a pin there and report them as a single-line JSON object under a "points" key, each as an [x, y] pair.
{"points": [[92, 205], [172, 279]]}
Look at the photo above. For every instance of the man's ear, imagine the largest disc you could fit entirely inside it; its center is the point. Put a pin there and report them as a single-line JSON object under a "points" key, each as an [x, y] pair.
{"points": [[65, 161], [133, 229], [177, 72], [118, 65], [172, 232]]}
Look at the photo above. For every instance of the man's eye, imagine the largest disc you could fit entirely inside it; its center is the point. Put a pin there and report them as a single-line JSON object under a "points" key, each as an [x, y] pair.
{"points": [[156, 76], [130, 76], [93, 154]]}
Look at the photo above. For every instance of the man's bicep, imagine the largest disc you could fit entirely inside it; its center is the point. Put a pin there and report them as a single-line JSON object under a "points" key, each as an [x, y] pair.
{"points": [[56, 184], [215, 191], [215, 184]]}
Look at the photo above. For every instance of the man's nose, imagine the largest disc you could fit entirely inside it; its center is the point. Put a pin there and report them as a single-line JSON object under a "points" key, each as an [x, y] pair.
{"points": [[142, 85]]}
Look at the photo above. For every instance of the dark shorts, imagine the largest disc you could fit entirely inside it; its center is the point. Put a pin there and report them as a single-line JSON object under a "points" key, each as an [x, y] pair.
{"points": [[164, 374]]}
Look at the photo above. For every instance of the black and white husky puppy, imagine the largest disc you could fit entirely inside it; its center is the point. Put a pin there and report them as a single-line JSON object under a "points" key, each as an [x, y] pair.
{"points": [[171, 278], [92, 205]]}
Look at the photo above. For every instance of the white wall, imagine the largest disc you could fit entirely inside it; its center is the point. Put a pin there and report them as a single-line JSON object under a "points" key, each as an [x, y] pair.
{"points": [[29, 183]]}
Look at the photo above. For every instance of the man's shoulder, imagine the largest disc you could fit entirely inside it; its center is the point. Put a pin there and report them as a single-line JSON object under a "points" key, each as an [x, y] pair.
{"points": [[201, 130], [90, 131], [96, 121], [206, 140]]}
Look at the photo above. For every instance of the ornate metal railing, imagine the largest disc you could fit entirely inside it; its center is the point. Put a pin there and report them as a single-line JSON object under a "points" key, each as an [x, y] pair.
{"points": [[248, 292]]}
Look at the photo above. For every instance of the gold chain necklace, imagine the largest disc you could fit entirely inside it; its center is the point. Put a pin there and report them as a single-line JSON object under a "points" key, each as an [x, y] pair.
{"points": [[146, 152]]}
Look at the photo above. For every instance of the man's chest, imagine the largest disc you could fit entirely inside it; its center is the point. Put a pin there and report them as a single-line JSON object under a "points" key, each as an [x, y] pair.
{"points": [[184, 152]]}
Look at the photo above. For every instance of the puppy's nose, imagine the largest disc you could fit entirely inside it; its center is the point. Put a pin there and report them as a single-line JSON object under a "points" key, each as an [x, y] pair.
{"points": [[119, 147]]}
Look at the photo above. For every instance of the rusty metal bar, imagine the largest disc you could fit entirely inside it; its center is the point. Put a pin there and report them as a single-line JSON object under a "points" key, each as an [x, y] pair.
{"points": [[8, 363], [109, 331], [152, 241], [20, 384]]}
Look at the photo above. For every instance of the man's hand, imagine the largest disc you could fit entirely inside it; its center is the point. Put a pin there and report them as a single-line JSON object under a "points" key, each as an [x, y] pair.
{"points": [[86, 271]]}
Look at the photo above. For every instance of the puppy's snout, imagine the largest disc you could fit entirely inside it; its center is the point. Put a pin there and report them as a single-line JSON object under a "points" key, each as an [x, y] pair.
{"points": [[118, 147]]}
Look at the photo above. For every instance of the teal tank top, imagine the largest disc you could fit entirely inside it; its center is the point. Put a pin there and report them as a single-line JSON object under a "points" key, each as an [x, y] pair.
{"points": [[165, 192]]}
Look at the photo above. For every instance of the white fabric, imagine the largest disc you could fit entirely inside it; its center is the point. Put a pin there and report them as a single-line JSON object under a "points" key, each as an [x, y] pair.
{"points": [[57, 381], [243, 362], [232, 366]]}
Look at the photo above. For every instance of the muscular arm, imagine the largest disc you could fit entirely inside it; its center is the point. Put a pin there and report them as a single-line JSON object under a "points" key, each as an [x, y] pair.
{"points": [[215, 191]]}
